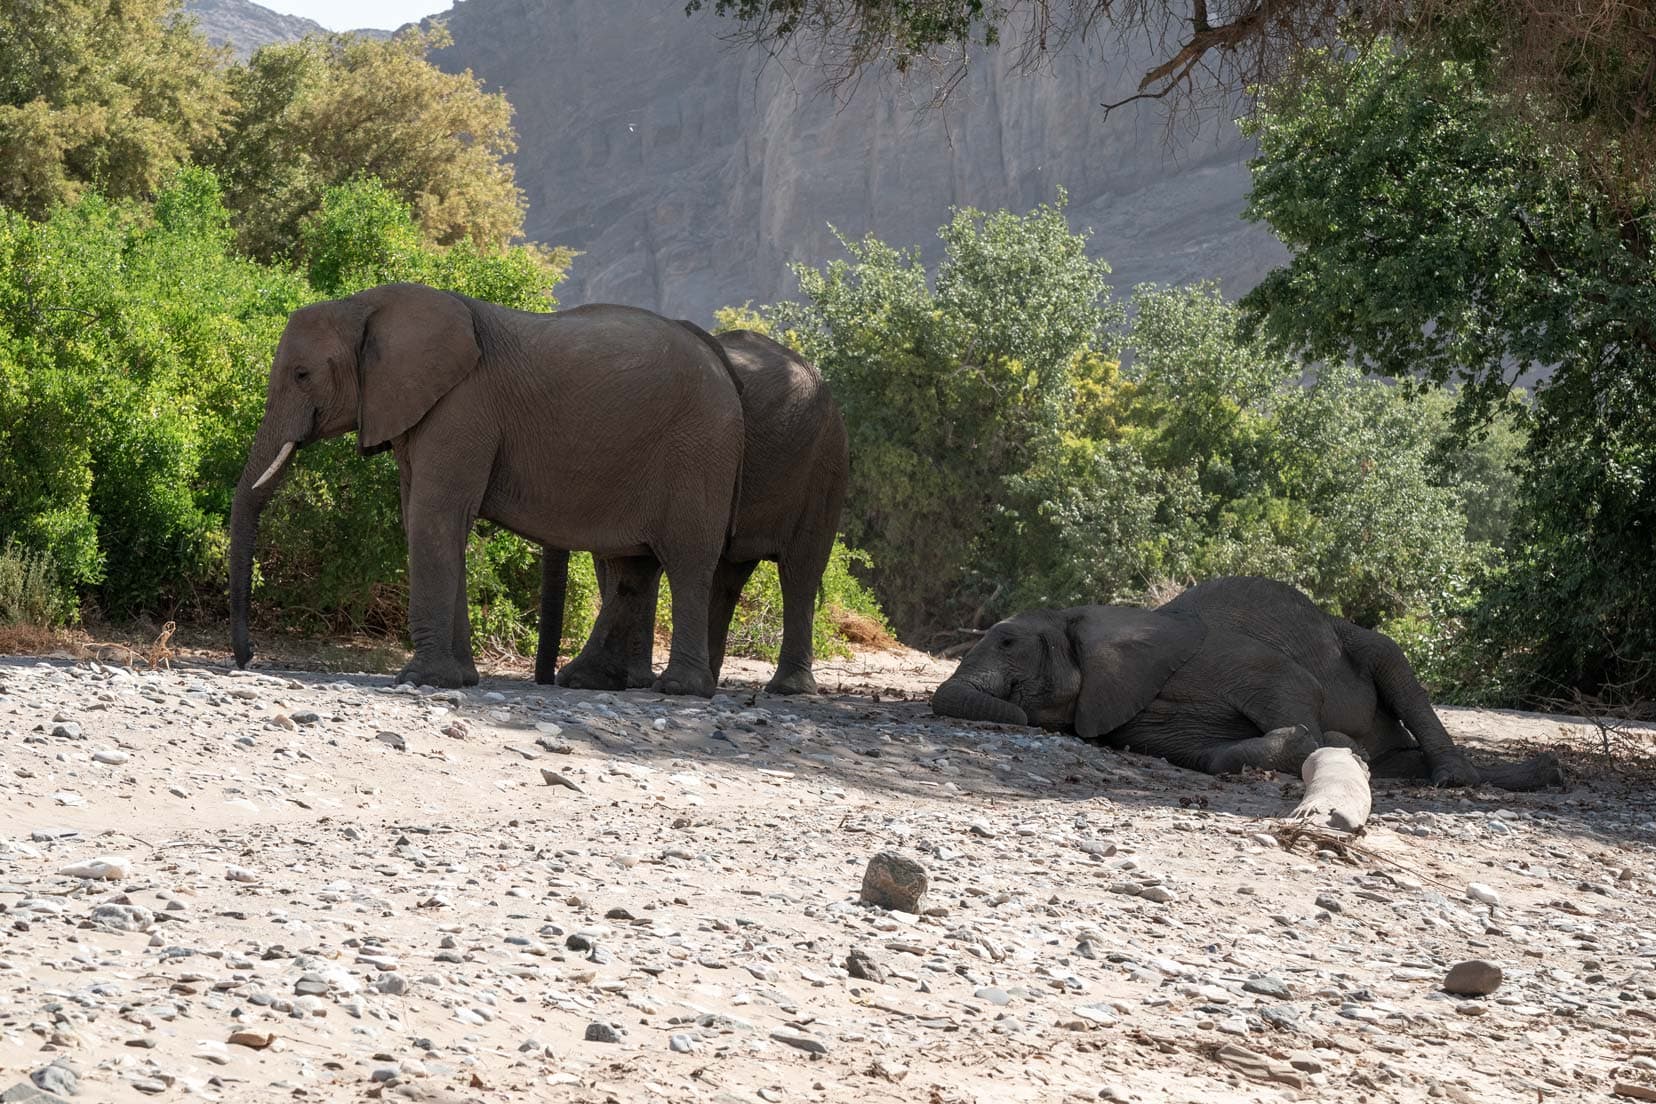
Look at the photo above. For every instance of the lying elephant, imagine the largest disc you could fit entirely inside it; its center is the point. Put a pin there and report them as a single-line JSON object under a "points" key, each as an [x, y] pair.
{"points": [[1236, 672]]}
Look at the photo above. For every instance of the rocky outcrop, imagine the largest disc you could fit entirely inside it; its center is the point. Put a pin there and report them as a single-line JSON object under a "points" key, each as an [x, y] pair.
{"points": [[245, 26], [691, 172]]}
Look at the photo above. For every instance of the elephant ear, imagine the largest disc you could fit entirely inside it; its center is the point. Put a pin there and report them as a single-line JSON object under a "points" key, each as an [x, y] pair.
{"points": [[417, 343], [1126, 656]]}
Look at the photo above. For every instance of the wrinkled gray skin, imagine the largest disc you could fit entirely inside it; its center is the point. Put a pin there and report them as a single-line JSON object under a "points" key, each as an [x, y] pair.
{"points": [[794, 471], [1236, 672], [603, 427]]}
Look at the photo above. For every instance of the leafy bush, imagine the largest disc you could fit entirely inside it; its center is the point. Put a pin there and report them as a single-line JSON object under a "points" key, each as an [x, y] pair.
{"points": [[844, 606], [29, 593]]}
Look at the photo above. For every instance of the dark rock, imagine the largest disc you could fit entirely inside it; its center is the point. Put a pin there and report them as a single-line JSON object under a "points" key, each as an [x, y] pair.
{"points": [[602, 1033], [1473, 978], [863, 967], [894, 881]]}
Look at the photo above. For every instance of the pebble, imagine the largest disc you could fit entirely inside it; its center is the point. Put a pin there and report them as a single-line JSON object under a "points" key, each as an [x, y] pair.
{"points": [[1481, 893], [895, 881], [810, 1044], [601, 1033], [111, 868], [1473, 978]]}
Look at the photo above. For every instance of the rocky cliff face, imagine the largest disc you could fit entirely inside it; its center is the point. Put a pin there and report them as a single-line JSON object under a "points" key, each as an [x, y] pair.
{"points": [[691, 172], [244, 26]]}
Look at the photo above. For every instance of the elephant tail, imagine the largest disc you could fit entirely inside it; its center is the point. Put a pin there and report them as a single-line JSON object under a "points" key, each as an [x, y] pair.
{"points": [[735, 381]]}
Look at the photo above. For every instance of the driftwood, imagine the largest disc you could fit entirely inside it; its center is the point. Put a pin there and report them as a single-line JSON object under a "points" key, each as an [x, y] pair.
{"points": [[1336, 791]]}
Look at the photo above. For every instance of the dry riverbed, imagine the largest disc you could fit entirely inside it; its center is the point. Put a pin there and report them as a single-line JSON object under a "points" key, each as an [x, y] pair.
{"points": [[319, 888]]}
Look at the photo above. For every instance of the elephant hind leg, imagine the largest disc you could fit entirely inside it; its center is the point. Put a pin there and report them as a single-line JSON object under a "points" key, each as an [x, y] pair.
{"points": [[728, 582], [1536, 773], [605, 660], [801, 577]]}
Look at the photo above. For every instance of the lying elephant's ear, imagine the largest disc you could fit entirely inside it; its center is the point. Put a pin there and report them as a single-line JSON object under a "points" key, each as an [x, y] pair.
{"points": [[417, 343], [1126, 655]]}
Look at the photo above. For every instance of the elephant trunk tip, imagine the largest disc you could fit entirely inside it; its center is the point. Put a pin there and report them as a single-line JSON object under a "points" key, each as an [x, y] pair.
{"points": [[956, 698]]}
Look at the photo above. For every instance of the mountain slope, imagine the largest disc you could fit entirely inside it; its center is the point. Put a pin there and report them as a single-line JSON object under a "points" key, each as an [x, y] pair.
{"points": [[691, 173], [245, 26]]}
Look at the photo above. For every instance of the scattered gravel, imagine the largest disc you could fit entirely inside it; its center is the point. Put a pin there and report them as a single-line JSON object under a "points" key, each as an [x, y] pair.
{"points": [[251, 887]]}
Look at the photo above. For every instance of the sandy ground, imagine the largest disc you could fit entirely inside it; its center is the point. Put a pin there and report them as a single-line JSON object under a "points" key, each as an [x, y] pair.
{"points": [[517, 893]]}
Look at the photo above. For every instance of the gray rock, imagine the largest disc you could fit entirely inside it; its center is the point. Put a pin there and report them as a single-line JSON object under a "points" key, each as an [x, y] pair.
{"points": [[992, 995], [25, 1093], [895, 881], [393, 739], [1267, 986], [682, 1044], [859, 964], [602, 1033], [126, 918], [1472, 978], [57, 1078], [810, 1044], [68, 730]]}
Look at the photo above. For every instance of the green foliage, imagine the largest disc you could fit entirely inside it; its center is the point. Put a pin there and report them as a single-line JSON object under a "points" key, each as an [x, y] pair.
{"points": [[134, 351], [1436, 236], [950, 395], [322, 112], [29, 592], [756, 627], [100, 94]]}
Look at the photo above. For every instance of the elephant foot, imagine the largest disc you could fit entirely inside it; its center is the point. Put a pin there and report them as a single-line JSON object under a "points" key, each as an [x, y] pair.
{"points": [[585, 672], [444, 671], [1455, 769], [794, 680], [546, 672], [468, 673], [681, 681], [640, 678]]}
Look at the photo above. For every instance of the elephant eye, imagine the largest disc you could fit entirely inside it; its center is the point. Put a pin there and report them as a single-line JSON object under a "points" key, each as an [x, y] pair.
{"points": [[301, 374], [1006, 642]]}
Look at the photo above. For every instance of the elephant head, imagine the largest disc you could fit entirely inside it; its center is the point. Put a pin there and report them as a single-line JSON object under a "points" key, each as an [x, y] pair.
{"points": [[1091, 668], [374, 362]]}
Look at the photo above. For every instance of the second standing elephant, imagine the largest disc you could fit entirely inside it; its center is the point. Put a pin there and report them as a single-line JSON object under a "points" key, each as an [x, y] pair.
{"points": [[795, 467]]}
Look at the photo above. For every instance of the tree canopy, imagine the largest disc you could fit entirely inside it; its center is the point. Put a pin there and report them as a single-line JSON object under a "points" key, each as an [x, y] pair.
{"points": [[318, 113], [111, 94], [1437, 237]]}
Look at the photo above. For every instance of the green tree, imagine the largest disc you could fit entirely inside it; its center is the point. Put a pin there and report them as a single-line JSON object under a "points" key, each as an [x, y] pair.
{"points": [[1436, 237], [100, 94], [948, 394], [319, 113]]}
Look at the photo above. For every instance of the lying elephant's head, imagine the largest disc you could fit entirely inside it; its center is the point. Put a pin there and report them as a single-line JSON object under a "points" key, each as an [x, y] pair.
{"points": [[1091, 668]]}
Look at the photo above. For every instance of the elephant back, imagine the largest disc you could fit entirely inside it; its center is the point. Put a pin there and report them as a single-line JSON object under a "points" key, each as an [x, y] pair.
{"points": [[1273, 613]]}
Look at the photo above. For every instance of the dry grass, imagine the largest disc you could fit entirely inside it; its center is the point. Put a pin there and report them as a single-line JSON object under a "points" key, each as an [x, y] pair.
{"points": [[861, 630]]}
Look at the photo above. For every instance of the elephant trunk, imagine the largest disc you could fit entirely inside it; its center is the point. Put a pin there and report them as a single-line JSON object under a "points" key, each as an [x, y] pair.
{"points": [[266, 463], [959, 698]]}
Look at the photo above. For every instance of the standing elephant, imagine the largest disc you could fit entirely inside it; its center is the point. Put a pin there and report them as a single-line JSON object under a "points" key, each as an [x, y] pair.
{"points": [[1236, 672], [603, 427], [794, 471]]}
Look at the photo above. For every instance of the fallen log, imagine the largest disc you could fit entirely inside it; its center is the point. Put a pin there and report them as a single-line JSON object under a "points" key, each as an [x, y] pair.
{"points": [[1336, 790]]}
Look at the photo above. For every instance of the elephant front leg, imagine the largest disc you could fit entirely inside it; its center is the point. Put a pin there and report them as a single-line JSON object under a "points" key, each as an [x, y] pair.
{"points": [[436, 579], [728, 582]]}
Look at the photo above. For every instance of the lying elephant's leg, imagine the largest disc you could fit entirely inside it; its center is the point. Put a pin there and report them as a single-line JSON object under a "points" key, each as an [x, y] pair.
{"points": [[1538, 772], [1400, 692], [1282, 749]]}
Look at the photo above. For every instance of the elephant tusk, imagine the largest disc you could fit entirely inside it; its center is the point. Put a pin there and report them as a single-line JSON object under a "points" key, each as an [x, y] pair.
{"points": [[275, 466]]}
